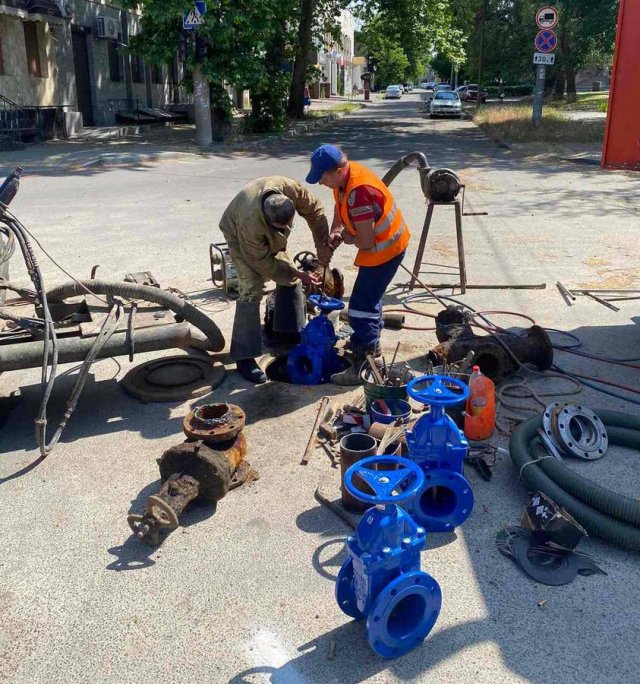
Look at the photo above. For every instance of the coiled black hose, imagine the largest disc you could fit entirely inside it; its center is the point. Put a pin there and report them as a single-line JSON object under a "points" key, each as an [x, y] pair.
{"points": [[603, 513], [120, 288]]}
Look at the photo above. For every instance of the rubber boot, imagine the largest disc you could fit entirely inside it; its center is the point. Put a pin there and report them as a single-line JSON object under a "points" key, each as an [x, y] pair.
{"points": [[251, 371], [350, 377], [246, 341], [376, 351]]}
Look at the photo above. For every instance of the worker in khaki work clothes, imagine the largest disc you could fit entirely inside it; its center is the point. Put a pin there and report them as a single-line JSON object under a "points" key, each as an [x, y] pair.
{"points": [[256, 226], [366, 216]]}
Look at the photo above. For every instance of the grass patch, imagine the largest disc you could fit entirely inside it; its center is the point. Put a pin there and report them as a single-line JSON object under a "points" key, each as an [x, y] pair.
{"points": [[586, 102], [342, 108], [512, 124]]}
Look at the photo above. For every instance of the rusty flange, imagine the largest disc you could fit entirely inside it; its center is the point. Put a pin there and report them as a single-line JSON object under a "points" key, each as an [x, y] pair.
{"points": [[214, 422]]}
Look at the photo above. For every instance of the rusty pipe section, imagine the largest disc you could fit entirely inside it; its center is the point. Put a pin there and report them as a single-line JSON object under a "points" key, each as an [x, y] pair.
{"points": [[75, 349]]}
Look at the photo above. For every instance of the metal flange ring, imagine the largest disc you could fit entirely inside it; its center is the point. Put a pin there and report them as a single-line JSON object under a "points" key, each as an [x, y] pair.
{"points": [[214, 422], [581, 432]]}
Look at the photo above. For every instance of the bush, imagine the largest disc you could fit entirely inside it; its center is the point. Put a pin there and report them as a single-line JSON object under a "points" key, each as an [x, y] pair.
{"points": [[603, 106], [518, 90]]}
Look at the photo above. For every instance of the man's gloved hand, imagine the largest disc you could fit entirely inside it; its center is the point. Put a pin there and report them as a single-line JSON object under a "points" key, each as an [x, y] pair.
{"points": [[310, 281]]}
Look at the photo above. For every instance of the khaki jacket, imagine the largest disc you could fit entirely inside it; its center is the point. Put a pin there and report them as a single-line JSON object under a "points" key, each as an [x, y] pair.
{"points": [[262, 246]]}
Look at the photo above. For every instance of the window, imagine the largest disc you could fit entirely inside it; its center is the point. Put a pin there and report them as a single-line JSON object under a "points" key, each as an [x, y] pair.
{"points": [[137, 69], [33, 49], [115, 63]]}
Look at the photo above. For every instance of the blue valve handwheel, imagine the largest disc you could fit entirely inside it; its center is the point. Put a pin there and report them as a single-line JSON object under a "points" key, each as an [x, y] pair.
{"points": [[389, 486], [325, 303], [438, 390]]}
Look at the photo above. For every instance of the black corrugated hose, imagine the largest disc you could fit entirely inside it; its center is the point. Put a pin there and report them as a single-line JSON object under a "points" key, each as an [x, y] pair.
{"points": [[602, 512]]}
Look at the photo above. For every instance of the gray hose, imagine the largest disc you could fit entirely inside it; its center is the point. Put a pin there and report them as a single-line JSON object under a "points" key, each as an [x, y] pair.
{"points": [[402, 164], [603, 513], [180, 307]]}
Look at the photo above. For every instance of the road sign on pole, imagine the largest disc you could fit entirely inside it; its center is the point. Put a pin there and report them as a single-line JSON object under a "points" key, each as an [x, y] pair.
{"points": [[546, 41], [192, 19], [547, 17]]}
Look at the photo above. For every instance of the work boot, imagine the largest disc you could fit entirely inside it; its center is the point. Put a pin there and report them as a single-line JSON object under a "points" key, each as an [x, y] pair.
{"points": [[350, 377], [375, 351], [251, 371]]}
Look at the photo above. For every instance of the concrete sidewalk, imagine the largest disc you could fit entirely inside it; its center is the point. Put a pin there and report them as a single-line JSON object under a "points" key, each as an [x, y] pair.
{"points": [[140, 145], [245, 593]]}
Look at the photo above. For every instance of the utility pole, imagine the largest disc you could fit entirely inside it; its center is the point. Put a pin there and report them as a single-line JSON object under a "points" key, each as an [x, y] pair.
{"points": [[483, 19]]}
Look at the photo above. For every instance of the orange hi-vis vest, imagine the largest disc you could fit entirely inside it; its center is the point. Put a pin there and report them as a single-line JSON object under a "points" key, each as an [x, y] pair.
{"points": [[391, 232]]}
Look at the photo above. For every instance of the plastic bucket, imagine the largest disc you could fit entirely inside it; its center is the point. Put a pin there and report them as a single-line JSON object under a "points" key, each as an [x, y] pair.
{"points": [[400, 410]]}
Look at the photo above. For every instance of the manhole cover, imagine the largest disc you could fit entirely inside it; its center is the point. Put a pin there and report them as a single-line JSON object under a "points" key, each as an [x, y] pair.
{"points": [[173, 378]]}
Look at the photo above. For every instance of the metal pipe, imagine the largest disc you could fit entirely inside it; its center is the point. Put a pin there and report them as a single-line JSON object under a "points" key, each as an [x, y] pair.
{"points": [[75, 349], [402, 164]]}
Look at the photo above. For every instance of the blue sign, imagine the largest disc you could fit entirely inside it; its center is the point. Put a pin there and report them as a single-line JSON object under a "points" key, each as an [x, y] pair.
{"points": [[546, 41], [194, 18]]}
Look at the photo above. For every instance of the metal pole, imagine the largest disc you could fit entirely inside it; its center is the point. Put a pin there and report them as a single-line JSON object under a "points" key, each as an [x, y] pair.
{"points": [[483, 17], [537, 96]]}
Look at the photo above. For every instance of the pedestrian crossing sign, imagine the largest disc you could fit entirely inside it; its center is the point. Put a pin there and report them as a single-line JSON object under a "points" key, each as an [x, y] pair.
{"points": [[192, 19]]}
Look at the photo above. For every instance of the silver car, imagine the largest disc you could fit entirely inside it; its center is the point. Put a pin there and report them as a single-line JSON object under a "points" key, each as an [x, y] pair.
{"points": [[446, 103], [392, 92]]}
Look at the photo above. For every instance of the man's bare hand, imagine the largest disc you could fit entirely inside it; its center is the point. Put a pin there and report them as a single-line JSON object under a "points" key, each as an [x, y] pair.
{"points": [[335, 240], [310, 281]]}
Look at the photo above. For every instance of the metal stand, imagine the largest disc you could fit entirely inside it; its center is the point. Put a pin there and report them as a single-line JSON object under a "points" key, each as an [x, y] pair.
{"points": [[423, 241]]}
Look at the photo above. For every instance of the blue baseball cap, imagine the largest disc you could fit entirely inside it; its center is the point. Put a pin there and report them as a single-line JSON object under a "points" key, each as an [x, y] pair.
{"points": [[325, 158]]}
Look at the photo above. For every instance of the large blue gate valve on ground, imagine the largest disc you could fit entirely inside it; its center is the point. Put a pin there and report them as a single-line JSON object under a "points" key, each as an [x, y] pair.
{"points": [[381, 580], [439, 447], [315, 359]]}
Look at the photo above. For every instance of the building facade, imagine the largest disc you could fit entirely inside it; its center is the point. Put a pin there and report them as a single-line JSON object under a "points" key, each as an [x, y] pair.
{"points": [[67, 54], [339, 69]]}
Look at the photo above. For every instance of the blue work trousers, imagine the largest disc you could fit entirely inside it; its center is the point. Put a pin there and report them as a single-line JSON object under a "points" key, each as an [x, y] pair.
{"points": [[365, 304]]}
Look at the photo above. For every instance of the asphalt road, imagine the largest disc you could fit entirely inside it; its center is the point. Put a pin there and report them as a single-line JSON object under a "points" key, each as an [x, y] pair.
{"points": [[245, 593]]}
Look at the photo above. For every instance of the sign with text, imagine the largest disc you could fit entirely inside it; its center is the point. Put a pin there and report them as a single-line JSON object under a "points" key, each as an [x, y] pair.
{"points": [[544, 58]]}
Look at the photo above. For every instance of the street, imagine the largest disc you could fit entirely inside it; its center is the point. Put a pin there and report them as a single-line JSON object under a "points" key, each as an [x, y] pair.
{"points": [[245, 593]]}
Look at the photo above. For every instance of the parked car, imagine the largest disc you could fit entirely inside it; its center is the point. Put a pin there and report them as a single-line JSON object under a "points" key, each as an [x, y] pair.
{"points": [[392, 93], [408, 87], [442, 86], [471, 94], [428, 85], [461, 90], [446, 103], [401, 88]]}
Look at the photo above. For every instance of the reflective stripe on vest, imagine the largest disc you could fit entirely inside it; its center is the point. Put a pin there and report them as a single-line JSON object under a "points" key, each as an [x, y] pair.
{"points": [[390, 231]]}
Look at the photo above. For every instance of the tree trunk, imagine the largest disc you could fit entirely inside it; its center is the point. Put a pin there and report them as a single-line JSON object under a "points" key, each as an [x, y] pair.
{"points": [[202, 107], [295, 106], [558, 91], [571, 84], [569, 65]]}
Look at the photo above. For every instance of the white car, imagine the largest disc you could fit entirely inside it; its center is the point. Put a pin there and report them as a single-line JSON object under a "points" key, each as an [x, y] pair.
{"points": [[401, 89], [446, 103], [392, 93]]}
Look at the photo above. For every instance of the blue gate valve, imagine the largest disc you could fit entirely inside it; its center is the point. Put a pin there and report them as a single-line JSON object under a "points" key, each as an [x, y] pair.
{"points": [[315, 359], [381, 580], [439, 447]]}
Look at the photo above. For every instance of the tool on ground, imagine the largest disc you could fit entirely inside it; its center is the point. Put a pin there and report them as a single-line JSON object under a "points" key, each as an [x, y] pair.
{"points": [[602, 296], [568, 296], [573, 430], [311, 443], [437, 445], [315, 360], [223, 271], [381, 580], [494, 353], [203, 468]]}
